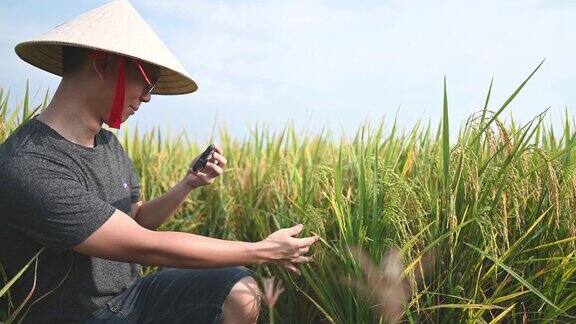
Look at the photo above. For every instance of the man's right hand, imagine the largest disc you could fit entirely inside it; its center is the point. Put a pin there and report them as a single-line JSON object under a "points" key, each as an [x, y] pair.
{"points": [[283, 249]]}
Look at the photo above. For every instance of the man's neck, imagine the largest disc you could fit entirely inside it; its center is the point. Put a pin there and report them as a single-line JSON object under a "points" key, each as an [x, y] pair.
{"points": [[71, 116]]}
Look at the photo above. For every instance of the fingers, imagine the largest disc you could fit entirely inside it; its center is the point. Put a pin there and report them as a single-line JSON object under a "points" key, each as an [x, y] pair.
{"points": [[307, 241], [294, 230], [290, 253], [212, 169], [291, 267], [297, 255], [209, 172], [218, 149], [302, 259], [217, 158]]}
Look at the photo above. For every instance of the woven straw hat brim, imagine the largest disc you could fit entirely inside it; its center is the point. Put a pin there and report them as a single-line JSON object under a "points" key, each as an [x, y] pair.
{"points": [[115, 27], [48, 57]]}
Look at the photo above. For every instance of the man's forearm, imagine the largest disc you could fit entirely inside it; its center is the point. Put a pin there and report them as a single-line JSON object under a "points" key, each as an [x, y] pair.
{"points": [[155, 212], [184, 250]]}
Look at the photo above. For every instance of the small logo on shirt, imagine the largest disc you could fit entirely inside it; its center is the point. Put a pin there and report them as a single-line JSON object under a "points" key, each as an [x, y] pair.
{"points": [[125, 185]]}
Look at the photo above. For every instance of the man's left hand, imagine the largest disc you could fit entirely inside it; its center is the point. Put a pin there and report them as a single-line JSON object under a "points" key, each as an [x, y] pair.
{"points": [[214, 168]]}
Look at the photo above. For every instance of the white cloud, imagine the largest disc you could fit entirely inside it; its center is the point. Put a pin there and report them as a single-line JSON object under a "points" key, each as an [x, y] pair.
{"points": [[320, 60], [312, 43]]}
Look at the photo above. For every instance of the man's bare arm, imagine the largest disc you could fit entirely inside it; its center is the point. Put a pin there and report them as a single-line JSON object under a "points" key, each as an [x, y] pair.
{"points": [[122, 239], [155, 212]]}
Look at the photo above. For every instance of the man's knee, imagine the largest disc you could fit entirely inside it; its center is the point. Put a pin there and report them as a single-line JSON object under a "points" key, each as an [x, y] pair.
{"points": [[243, 303]]}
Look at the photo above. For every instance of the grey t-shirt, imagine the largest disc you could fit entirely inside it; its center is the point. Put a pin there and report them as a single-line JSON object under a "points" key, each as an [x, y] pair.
{"points": [[54, 194]]}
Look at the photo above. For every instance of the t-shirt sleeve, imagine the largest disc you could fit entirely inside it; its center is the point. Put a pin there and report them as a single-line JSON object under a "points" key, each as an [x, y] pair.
{"points": [[135, 193], [47, 203]]}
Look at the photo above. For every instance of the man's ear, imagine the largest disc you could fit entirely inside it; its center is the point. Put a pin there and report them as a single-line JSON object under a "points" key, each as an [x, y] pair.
{"points": [[99, 64]]}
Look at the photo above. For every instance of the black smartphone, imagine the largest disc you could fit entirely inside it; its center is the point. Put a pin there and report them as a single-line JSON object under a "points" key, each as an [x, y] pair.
{"points": [[206, 155]]}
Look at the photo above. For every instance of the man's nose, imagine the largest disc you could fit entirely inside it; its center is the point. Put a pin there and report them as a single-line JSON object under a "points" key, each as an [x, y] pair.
{"points": [[145, 97]]}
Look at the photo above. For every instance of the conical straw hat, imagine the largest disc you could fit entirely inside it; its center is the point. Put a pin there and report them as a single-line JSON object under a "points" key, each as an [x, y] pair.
{"points": [[114, 27]]}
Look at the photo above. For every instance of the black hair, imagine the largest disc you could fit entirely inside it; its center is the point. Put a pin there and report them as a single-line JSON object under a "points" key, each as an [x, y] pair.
{"points": [[73, 59]]}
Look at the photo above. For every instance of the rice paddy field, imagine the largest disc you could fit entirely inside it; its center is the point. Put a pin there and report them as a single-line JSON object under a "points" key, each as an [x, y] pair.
{"points": [[425, 225]]}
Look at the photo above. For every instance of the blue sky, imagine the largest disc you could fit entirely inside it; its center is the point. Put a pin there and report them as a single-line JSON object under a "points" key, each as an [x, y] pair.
{"points": [[332, 63]]}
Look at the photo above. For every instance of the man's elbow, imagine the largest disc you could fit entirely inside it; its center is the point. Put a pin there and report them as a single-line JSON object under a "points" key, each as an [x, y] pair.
{"points": [[140, 219]]}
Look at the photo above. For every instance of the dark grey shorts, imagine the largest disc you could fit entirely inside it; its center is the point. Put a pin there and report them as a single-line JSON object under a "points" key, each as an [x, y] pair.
{"points": [[172, 296]]}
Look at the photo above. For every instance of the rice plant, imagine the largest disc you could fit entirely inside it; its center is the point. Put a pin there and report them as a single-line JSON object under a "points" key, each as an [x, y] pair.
{"points": [[492, 210]]}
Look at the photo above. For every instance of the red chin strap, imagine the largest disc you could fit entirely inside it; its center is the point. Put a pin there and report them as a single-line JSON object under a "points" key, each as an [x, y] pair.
{"points": [[115, 117]]}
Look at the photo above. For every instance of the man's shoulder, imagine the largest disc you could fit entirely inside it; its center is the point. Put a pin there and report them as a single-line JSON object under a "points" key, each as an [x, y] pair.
{"points": [[25, 165], [26, 149], [17, 142]]}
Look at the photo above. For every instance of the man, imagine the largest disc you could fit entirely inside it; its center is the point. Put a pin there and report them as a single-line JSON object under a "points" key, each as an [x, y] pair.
{"points": [[68, 189]]}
